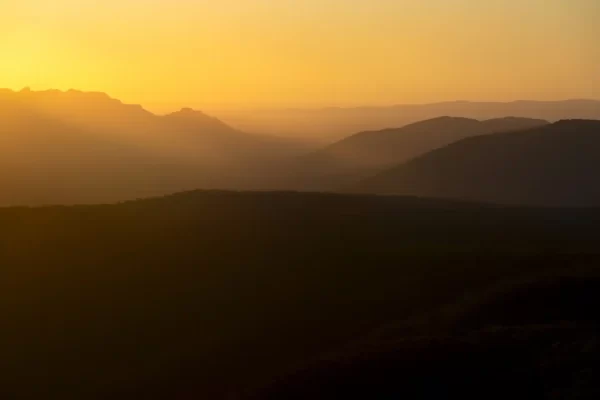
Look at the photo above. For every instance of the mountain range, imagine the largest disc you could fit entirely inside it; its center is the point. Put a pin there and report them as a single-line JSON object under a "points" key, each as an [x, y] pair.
{"points": [[75, 147], [552, 165], [335, 123], [480, 281], [78, 147], [367, 153]]}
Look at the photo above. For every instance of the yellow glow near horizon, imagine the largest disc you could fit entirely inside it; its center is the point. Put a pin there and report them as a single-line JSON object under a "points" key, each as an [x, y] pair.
{"points": [[256, 53]]}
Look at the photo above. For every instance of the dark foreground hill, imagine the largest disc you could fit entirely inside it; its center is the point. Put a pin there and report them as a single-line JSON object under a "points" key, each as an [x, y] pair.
{"points": [[533, 339], [551, 165], [367, 153], [539, 362], [207, 294]]}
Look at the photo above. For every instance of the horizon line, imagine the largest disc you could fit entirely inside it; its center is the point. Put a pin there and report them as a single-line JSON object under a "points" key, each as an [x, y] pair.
{"points": [[27, 89]]}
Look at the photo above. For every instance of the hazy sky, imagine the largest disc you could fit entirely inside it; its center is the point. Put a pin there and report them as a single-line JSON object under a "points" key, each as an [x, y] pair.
{"points": [[265, 53]]}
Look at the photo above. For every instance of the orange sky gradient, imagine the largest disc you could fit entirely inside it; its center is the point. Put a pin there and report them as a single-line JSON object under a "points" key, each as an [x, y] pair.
{"points": [[166, 54]]}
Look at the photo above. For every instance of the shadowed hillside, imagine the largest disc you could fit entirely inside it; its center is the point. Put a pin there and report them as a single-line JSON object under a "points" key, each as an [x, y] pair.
{"points": [[202, 294], [367, 153], [550, 165], [541, 362], [533, 338]]}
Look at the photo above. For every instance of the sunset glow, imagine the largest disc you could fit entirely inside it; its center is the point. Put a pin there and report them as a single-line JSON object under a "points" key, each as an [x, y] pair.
{"points": [[281, 53]]}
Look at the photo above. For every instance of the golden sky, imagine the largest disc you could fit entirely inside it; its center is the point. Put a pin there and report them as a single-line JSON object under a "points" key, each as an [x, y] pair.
{"points": [[288, 53]]}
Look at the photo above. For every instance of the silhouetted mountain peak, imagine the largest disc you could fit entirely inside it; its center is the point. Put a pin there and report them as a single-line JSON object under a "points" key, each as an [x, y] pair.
{"points": [[444, 121], [448, 118], [440, 123], [69, 100], [71, 93], [188, 112], [192, 119], [516, 119], [511, 124], [97, 96]]}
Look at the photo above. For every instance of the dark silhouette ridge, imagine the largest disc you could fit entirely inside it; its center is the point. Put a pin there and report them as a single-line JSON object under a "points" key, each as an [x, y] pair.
{"points": [[550, 165], [172, 298], [367, 153]]}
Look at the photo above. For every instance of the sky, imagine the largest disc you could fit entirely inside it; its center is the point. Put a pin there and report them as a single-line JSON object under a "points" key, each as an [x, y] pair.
{"points": [[166, 54]]}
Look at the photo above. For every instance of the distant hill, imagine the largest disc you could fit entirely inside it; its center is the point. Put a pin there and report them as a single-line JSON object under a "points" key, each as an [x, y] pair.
{"points": [[551, 165], [368, 153], [331, 124], [78, 147], [188, 119]]}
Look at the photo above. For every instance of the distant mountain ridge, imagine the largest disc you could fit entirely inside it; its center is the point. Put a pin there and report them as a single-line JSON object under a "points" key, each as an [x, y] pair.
{"points": [[367, 153], [334, 123], [66, 147], [553, 165], [187, 116], [80, 147]]}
